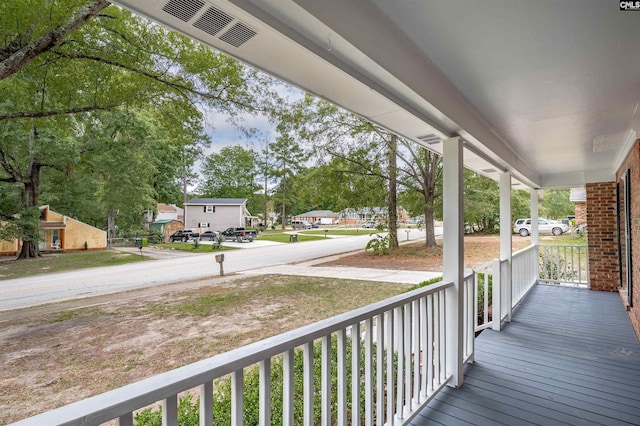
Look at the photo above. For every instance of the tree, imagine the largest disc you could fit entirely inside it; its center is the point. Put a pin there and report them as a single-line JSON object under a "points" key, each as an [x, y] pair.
{"points": [[481, 202], [556, 204], [88, 57], [367, 150], [231, 173], [288, 159], [423, 174]]}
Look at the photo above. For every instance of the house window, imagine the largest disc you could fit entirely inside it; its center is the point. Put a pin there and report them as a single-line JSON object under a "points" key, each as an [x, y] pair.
{"points": [[209, 209]]}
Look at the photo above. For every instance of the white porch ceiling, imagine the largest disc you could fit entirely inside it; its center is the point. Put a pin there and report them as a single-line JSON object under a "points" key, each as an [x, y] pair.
{"points": [[547, 90]]}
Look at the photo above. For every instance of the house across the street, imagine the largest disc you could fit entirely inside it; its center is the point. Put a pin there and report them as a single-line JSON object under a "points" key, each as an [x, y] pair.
{"points": [[201, 214], [325, 217], [60, 232]]}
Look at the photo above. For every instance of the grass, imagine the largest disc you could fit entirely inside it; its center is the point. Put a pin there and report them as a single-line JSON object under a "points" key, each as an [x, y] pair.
{"points": [[152, 334], [286, 238], [202, 248], [343, 232], [10, 268]]}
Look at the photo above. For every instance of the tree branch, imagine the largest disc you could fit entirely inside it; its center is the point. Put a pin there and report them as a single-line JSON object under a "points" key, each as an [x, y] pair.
{"points": [[172, 84], [51, 113], [18, 59]]}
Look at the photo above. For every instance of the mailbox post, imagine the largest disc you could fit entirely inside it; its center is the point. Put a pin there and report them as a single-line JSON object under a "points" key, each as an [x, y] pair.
{"points": [[220, 260]]}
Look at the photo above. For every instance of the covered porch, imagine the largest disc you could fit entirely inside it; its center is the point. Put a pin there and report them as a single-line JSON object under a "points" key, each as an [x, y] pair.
{"points": [[569, 356], [535, 102]]}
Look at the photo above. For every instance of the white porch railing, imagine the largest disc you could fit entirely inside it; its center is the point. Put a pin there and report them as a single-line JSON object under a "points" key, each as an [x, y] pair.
{"points": [[483, 277], [500, 286], [383, 389], [561, 264], [523, 273]]}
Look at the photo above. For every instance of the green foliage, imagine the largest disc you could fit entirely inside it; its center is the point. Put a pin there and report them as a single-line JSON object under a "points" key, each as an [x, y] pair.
{"points": [[67, 262], [107, 121], [481, 295], [424, 284], [379, 244], [231, 173], [196, 243], [188, 414], [481, 202], [222, 392], [217, 242], [520, 204], [556, 205]]}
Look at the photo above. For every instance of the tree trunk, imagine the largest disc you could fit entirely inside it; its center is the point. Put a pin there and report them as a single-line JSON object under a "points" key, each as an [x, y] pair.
{"points": [[430, 238], [31, 227], [393, 193], [284, 220], [111, 226]]}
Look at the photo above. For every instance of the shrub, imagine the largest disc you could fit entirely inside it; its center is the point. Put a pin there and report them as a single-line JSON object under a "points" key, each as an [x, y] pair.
{"points": [[188, 409], [424, 284], [379, 244], [196, 243]]}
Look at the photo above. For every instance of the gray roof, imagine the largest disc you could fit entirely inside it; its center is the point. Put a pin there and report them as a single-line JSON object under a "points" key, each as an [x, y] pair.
{"points": [[319, 213], [217, 201]]}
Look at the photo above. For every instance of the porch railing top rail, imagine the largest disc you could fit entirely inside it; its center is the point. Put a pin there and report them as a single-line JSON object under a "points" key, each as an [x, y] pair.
{"points": [[112, 404]]}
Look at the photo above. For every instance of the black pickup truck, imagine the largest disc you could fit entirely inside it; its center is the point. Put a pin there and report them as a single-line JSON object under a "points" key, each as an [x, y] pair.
{"points": [[183, 236], [239, 234]]}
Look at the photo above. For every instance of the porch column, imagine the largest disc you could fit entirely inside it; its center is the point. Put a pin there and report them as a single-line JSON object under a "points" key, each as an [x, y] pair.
{"points": [[505, 242], [453, 255], [534, 217], [534, 229]]}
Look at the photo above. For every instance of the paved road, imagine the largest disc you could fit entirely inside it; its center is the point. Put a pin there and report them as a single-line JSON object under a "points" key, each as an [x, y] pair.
{"points": [[37, 290]]}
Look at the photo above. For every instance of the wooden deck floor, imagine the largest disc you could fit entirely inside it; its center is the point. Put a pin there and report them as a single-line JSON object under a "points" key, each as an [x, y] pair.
{"points": [[569, 356]]}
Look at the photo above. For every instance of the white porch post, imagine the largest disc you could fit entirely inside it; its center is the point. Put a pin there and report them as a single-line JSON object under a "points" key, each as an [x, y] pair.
{"points": [[453, 256], [505, 241], [534, 229]]}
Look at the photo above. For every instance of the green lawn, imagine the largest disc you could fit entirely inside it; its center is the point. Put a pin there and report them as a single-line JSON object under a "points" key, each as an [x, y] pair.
{"points": [[11, 268], [202, 248], [362, 231], [286, 238]]}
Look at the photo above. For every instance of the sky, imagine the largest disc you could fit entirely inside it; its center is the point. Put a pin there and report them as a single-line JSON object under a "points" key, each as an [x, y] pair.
{"points": [[224, 134]]}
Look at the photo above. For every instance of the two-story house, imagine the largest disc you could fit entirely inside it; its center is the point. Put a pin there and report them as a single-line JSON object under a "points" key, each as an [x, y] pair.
{"points": [[201, 214]]}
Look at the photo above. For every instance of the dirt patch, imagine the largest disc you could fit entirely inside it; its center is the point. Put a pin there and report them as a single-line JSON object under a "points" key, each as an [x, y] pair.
{"points": [[478, 250], [57, 357]]}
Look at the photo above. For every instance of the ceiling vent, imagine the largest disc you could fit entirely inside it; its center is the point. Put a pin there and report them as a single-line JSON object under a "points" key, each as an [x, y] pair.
{"points": [[429, 139], [183, 9], [213, 21], [238, 34]]}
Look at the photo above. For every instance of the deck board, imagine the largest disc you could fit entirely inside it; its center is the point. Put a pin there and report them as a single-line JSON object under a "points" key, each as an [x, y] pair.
{"points": [[570, 356]]}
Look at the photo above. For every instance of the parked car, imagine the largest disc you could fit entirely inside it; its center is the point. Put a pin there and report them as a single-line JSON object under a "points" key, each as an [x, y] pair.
{"points": [[300, 224], [239, 234], [369, 225], [209, 235], [183, 235], [545, 226], [315, 224]]}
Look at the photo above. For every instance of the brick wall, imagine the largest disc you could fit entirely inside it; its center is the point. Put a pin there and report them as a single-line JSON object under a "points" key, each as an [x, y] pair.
{"points": [[632, 162], [602, 236], [581, 212]]}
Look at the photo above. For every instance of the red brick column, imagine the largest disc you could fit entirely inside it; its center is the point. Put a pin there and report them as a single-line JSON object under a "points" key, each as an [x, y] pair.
{"points": [[602, 236], [581, 212]]}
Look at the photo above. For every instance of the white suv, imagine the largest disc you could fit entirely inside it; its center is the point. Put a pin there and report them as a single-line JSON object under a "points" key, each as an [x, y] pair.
{"points": [[545, 226]]}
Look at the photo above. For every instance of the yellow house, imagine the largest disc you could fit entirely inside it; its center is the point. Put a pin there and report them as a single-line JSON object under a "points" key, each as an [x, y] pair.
{"points": [[60, 232]]}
